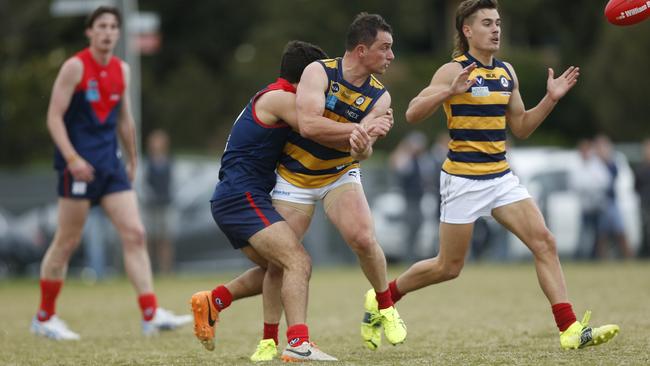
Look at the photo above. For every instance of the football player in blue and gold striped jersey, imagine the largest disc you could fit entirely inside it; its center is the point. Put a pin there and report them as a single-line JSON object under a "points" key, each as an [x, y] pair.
{"points": [[333, 96], [480, 97]]}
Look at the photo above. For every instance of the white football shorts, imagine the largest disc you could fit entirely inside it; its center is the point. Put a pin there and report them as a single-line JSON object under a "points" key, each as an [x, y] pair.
{"points": [[285, 191], [463, 200]]}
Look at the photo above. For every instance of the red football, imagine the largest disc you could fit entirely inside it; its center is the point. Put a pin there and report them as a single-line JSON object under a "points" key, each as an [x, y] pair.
{"points": [[627, 12]]}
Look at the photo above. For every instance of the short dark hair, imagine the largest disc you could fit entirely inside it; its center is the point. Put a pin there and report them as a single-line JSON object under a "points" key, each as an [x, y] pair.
{"points": [[90, 20], [465, 10], [296, 56], [364, 28]]}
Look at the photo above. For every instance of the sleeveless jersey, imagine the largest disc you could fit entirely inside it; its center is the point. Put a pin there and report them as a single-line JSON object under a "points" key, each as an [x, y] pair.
{"points": [[477, 123], [92, 115], [308, 164], [252, 150]]}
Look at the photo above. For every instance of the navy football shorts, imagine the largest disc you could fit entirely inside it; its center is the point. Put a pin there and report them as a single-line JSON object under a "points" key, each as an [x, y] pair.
{"points": [[241, 215], [103, 184]]}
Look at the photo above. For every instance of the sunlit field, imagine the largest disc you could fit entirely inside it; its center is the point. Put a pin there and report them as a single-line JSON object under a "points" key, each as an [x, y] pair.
{"points": [[493, 314]]}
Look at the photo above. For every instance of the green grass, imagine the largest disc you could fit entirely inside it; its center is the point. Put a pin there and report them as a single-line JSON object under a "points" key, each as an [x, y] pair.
{"points": [[491, 315]]}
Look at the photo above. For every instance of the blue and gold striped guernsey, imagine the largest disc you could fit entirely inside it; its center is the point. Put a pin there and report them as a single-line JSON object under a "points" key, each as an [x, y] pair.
{"points": [[477, 123], [307, 164]]}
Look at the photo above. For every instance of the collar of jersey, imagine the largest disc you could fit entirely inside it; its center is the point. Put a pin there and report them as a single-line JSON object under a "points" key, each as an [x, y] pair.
{"points": [[342, 80], [479, 64]]}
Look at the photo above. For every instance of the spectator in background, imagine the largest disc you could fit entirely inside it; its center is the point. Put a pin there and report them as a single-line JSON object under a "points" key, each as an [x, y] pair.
{"points": [[590, 182], [611, 221], [158, 178], [642, 186], [407, 161]]}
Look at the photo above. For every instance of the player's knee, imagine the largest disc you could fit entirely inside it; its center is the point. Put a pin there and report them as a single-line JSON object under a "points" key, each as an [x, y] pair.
{"points": [[452, 270], [363, 242], [274, 272], [447, 269], [297, 261], [545, 244], [134, 235], [66, 244]]}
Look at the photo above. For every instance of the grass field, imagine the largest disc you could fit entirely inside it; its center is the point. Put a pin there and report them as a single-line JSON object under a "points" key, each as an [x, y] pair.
{"points": [[491, 315]]}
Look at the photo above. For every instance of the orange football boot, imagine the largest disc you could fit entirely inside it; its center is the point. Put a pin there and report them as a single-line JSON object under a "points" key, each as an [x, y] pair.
{"points": [[206, 316]]}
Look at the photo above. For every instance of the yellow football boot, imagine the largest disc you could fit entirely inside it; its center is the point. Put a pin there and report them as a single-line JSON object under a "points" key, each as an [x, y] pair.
{"points": [[580, 335], [266, 351]]}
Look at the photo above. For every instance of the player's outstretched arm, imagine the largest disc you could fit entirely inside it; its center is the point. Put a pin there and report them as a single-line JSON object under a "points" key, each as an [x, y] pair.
{"points": [[126, 127], [450, 79], [524, 122], [64, 85], [310, 105]]}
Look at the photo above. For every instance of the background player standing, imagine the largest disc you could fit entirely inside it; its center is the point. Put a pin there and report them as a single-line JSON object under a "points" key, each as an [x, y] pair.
{"points": [[88, 108]]}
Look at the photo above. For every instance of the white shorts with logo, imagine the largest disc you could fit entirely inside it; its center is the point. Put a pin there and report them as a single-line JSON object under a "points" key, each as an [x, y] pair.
{"points": [[285, 191], [463, 201]]}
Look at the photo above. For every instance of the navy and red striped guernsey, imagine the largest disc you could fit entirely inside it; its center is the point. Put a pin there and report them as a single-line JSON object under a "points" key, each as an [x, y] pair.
{"points": [[93, 113], [252, 150]]}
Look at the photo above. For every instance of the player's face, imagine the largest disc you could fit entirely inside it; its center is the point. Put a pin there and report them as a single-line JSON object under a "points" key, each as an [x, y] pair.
{"points": [[104, 33], [379, 55], [483, 30]]}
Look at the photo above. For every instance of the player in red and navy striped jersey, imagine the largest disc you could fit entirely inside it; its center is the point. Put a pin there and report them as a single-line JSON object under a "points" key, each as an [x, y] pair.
{"points": [[242, 208], [89, 109]]}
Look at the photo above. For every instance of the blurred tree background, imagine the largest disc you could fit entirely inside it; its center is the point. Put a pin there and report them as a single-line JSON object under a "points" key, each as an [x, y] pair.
{"points": [[216, 54]]}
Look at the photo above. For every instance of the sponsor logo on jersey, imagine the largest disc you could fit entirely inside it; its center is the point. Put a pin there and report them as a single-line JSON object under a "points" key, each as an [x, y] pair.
{"points": [[330, 103], [92, 91], [352, 116]]}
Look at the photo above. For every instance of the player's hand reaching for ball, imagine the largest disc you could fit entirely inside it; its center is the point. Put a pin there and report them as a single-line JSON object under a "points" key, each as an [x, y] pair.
{"points": [[556, 88]]}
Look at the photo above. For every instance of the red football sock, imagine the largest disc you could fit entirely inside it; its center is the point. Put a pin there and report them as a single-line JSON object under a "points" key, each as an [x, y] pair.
{"points": [[221, 297], [49, 292], [395, 295], [148, 305], [384, 299], [564, 315], [271, 332], [297, 334]]}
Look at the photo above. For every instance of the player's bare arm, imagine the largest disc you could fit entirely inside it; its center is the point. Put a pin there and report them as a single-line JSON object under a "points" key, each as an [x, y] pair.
{"points": [[279, 105], [523, 122], [379, 121], [126, 127], [66, 81], [310, 103], [450, 79]]}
